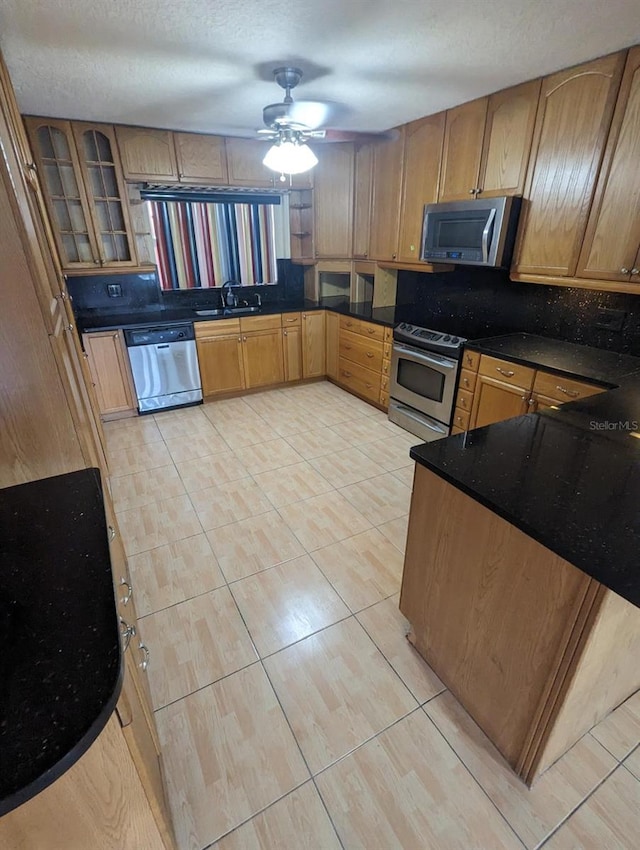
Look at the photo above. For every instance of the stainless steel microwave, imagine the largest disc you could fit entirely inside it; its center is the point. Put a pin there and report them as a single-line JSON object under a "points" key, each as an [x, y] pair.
{"points": [[473, 233]]}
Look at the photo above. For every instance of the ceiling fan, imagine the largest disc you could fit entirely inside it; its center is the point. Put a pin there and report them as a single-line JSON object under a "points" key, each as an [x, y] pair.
{"points": [[291, 124]]}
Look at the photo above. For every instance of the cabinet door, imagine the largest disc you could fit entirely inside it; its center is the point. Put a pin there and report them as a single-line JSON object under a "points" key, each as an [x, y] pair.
{"points": [[102, 172], [363, 184], [495, 400], [292, 343], [422, 151], [573, 120], [64, 192], [201, 159], [332, 337], [221, 364], [333, 201], [511, 115], [388, 158], [110, 372], [244, 161], [147, 154], [613, 234], [313, 345], [462, 151], [263, 358]]}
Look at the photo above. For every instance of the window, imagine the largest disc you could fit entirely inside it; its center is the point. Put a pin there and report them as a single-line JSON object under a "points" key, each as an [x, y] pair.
{"points": [[201, 244]]}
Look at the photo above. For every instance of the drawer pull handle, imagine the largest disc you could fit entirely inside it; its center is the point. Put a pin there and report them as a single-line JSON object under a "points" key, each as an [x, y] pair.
{"points": [[462, 402], [371, 330], [346, 374], [508, 373], [572, 393], [289, 320], [127, 632], [146, 655], [127, 598], [465, 381], [348, 347], [112, 533], [369, 354], [369, 386]]}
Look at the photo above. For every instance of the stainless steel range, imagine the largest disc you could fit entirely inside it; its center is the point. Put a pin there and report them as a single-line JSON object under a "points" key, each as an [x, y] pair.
{"points": [[424, 371]]}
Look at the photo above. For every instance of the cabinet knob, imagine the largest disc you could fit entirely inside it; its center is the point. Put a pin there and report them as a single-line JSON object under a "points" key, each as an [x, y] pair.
{"points": [[478, 191], [127, 632], [394, 256], [115, 336], [244, 339], [69, 328], [239, 339], [285, 333], [304, 315], [624, 271], [635, 271], [472, 191]]}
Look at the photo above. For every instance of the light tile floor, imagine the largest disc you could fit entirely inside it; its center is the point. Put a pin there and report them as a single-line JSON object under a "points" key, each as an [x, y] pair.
{"points": [[265, 537]]}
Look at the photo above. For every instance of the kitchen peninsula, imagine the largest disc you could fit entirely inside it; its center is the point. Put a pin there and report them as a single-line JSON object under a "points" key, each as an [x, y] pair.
{"points": [[521, 580]]}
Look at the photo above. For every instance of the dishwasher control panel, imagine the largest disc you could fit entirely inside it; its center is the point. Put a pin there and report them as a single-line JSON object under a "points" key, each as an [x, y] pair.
{"points": [[159, 334]]}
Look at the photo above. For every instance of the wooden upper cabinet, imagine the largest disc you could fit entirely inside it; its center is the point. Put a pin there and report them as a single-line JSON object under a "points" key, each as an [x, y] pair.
{"points": [[333, 200], [388, 160], [64, 192], [147, 154], [244, 161], [612, 243], [363, 184], [201, 159], [422, 151], [574, 115], [511, 116], [106, 192], [462, 150]]}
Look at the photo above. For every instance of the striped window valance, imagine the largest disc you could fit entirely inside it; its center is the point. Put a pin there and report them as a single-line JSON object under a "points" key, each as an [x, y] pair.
{"points": [[200, 244]]}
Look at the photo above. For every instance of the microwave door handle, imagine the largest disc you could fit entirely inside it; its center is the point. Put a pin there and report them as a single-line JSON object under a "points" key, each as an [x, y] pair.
{"points": [[424, 358], [485, 236]]}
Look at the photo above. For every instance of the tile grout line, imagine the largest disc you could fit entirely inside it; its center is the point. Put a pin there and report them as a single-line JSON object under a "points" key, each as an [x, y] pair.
{"points": [[604, 746]]}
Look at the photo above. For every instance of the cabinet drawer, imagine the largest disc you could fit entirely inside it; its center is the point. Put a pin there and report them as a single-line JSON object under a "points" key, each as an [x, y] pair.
{"points": [[222, 327], [355, 348], [471, 360], [504, 370], [461, 419], [384, 398], [464, 400], [387, 350], [384, 384], [361, 380], [563, 389], [291, 320], [366, 329], [260, 323], [386, 367], [468, 380], [388, 335]]}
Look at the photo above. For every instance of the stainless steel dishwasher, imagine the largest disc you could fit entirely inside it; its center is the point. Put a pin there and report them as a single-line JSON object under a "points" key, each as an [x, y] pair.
{"points": [[164, 364]]}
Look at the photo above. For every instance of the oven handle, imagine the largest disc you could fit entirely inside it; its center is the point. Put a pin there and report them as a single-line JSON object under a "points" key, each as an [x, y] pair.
{"points": [[485, 236], [424, 358], [421, 420]]}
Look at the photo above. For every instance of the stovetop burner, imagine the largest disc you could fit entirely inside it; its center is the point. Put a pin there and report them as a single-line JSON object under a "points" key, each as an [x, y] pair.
{"points": [[429, 340]]}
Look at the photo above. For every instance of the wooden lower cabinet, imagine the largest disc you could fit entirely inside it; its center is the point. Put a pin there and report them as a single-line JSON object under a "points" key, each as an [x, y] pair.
{"points": [[535, 650], [221, 364], [292, 348], [495, 400], [313, 345], [263, 358], [359, 379], [110, 373]]}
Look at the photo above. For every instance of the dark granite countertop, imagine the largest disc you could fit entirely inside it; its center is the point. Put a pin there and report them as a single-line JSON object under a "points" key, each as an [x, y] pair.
{"points": [[570, 477], [565, 358], [156, 315], [60, 665]]}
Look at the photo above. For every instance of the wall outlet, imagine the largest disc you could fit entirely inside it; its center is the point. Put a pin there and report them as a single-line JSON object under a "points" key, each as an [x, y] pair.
{"points": [[610, 320], [114, 290]]}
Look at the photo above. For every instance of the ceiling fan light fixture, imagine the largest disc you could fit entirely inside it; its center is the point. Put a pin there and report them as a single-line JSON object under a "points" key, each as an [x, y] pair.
{"points": [[290, 157]]}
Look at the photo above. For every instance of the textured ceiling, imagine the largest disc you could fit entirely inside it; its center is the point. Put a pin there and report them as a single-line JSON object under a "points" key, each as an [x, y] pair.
{"points": [[205, 64]]}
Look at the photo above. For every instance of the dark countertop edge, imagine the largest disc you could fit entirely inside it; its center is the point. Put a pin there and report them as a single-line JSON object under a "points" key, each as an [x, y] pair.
{"points": [[156, 317], [28, 792], [500, 511]]}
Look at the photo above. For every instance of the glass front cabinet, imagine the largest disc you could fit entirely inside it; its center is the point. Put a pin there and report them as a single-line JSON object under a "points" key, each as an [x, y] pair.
{"points": [[84, 192]]}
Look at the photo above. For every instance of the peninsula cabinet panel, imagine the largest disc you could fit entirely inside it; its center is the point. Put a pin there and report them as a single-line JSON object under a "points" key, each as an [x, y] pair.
{"points": [[110, 373], [612, 241], [333, 201], [147, 154], [363, 185], [423, 148], [244, 161], [574, 115], [221, 364], [201, 159], [313, 344], [263, 358], [388, 160], [462, 151], [508, 132]]}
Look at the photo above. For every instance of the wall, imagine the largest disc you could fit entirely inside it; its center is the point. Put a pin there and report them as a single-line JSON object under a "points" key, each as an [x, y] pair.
{"points": [[477, 303]]}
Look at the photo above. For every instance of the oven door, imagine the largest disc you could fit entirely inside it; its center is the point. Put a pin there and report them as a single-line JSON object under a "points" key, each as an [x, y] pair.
{"points": [[423, 380]]}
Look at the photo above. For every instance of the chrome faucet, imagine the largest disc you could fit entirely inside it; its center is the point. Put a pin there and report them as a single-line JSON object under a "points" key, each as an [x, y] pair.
{"points": [[230, 299]]}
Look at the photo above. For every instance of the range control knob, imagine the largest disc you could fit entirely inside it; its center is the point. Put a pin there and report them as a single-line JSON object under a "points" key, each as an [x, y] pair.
{"points": [[446, 338]]}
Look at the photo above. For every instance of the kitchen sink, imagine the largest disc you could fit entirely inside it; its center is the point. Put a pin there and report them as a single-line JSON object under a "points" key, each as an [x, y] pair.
{"points": [[228, 311]]}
